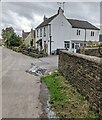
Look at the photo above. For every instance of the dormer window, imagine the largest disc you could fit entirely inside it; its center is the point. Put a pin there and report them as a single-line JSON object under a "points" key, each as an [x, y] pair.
{"points": [[92, 33], [78, 32]]}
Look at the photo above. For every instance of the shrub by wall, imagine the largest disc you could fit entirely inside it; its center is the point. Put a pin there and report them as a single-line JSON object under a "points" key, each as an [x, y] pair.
{"points": [[92, 52]]}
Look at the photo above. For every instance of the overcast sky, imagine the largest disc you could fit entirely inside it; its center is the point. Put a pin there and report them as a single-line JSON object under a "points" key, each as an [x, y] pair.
{"points": [[27, 15]]}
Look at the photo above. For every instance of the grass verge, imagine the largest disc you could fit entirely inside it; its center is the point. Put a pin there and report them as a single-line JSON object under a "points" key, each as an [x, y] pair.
{"points": [[65, 99]]}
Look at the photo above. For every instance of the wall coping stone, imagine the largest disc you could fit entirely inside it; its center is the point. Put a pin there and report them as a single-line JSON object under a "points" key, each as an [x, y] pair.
{"points": [[91, 48], [86, 57]]}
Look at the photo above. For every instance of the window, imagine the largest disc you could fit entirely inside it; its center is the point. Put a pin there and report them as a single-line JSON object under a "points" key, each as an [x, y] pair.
{"points": [[78, 32], [92, 33], [40, 32], [37, 33], [44, 32], [66, 44], [77, 46]]}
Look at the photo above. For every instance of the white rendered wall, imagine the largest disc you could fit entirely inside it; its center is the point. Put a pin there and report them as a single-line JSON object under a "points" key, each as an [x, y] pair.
{"points": [[44, 38], [76, 37], [60, 31], [92, 38]]}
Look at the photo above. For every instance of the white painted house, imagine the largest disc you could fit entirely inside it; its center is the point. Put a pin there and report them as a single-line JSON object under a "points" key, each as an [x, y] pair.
{"points": [[58, 32]]}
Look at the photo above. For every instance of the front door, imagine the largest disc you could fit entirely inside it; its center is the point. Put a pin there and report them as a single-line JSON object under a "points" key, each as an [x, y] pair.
{"points": [[75, 47], [67, 45], [40, 43]]}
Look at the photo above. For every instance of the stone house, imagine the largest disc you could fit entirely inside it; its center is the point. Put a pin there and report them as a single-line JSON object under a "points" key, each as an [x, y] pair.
{"points": [[58, 32], [28, 37]]}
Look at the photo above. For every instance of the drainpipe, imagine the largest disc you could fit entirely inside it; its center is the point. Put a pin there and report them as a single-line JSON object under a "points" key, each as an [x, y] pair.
{"points": [[50, 37], [85, 39], [50, 45]]}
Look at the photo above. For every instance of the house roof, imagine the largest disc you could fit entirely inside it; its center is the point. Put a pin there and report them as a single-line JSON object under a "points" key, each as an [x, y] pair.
{"points": [[47, 21], [82, 24], [25, 34], [75, 23]]}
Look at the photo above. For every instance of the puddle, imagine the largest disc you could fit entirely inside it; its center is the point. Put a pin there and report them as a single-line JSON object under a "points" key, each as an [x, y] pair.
{"points": [[36, 70], [45, 100]]}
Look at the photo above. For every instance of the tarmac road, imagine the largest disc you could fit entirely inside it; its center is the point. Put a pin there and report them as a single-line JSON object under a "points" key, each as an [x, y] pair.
{"points": [[20, 90]]}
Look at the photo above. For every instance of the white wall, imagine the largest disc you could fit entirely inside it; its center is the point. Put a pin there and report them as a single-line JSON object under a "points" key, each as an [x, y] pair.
{"points": [[74, 35], [44, 38], [60, 31], [81, 37], [92, 38]]}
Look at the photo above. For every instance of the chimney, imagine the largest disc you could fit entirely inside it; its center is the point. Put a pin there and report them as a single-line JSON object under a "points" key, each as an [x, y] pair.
{"points": [[31, 29], [45, 18], [22, 31], [23, 34], [32, 33], [60, 10]]}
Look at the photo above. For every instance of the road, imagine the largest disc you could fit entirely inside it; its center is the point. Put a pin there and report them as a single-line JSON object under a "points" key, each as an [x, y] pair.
{"points": [[20, 90]]}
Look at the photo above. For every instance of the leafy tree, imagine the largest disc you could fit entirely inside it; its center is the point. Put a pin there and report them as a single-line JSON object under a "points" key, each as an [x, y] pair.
{"points": [[15, 40], [10, 38], [7, 33]]}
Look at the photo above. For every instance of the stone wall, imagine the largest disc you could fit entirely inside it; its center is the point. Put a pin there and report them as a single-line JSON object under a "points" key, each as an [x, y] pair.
{"points": [[84, 73]]}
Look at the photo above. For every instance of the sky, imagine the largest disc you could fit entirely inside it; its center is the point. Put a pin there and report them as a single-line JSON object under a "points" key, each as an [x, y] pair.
{"points": [[27, 15]]}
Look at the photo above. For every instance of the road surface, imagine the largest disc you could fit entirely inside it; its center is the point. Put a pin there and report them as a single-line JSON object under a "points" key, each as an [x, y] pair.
{"points": [[20, 90]]}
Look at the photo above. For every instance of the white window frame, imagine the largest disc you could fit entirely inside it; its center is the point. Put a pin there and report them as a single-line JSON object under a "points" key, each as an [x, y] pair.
{"points": [[44, 32], [40, 32], [78, 32], [66, 44], [77, 45], [92, 33]]}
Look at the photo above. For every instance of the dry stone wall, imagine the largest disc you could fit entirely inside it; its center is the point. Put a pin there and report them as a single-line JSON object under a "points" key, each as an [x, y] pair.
{"points": [[84, 72]]}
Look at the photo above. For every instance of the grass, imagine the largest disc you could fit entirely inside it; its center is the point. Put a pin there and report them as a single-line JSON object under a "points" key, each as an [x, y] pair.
{"points": [[65, 99]]}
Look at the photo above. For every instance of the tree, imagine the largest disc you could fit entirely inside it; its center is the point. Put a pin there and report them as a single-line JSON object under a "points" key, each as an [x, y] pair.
{"points": [[7, 33], [10, 38], [15, 40]]}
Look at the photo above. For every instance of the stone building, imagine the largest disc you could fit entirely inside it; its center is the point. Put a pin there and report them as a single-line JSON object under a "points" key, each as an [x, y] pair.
{"points": [[28, 37]]}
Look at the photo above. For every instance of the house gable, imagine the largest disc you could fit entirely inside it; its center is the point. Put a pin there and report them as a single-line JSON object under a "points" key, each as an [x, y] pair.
{"points": [[47, 21], [25, 34]]}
